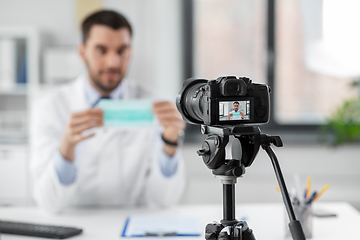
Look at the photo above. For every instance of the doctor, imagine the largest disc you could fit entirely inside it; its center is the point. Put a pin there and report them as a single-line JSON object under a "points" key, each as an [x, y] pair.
{"points": [[236, 114], [112, 167]]}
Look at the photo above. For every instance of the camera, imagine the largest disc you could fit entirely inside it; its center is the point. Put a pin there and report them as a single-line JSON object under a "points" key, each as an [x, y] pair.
{"points": [[223, 106], [225, 101]]}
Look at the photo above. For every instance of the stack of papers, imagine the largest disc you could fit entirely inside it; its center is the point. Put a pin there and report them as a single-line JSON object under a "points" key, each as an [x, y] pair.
{"points": [[143, 226]]}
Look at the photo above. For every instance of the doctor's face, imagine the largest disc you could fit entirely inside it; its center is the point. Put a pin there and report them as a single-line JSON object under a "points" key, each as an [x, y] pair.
{"points": [[236, 107], [106, 54]]}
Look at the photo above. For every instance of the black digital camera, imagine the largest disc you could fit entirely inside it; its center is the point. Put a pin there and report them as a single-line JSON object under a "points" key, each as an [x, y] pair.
{"points": [[225, 101]]}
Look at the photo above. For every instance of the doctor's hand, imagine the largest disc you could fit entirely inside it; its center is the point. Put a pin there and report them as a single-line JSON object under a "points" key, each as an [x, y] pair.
{"points": [[73, 133], [170, 118]]}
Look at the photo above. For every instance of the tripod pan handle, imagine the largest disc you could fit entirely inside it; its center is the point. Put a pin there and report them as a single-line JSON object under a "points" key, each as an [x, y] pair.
{"points": [[296, 230]]}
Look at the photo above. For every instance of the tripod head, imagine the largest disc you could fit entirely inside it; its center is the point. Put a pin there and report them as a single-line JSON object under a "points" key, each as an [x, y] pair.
{"points": [[245, 147]]}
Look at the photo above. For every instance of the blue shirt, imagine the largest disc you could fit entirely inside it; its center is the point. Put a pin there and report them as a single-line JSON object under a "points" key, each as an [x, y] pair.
{"points": [[67, 171]]}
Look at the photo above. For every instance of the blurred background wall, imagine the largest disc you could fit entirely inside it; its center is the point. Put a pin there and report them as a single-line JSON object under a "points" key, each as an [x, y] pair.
{"points": [[157, 35], [284, 44]]}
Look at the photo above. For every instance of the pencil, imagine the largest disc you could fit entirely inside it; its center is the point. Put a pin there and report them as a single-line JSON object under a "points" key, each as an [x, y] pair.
{"points": [[311, 199], [321, 192], [308, 188]]}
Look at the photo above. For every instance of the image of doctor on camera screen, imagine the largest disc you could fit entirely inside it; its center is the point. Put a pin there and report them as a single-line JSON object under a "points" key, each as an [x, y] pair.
{"points": [[238, 110]]}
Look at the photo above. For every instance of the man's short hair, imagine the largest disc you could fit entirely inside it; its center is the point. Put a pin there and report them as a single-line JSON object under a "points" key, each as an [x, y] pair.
{"points": [[108, 18], [236, 103]]}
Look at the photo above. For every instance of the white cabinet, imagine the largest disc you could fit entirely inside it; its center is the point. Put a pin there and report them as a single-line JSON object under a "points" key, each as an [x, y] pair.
{"points": [[19, 84], [14, 175]]}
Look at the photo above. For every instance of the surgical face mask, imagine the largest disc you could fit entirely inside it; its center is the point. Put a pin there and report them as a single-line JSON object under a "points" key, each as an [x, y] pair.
{"points": [[127, 113]]}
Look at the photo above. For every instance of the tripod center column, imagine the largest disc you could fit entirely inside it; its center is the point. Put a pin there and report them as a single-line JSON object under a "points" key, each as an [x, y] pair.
{"points": [[229, 201]]}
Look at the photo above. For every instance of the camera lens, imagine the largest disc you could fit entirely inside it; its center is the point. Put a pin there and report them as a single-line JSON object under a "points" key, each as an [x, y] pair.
{"points": [[190, 101]]}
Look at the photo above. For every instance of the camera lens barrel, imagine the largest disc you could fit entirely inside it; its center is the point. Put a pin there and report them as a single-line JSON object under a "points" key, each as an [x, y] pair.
{"points": [[189, 100], [193, 101]]}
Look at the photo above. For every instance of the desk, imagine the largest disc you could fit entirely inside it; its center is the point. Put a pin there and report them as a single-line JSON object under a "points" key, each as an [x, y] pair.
{"points": [[266, 220]]}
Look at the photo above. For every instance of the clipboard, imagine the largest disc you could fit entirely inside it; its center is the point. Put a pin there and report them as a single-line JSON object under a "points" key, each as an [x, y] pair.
{"points": [[160, 226]]}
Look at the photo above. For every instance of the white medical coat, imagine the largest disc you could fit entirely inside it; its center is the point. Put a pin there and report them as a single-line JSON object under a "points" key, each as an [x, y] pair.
{"points": [[115, 167]]}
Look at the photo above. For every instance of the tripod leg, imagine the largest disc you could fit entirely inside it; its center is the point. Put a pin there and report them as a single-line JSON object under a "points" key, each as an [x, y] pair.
{"points": [[238, 232], [212, 231], [242, 229]]}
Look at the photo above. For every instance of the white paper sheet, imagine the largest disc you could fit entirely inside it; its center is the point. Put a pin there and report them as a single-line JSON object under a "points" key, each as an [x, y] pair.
{"points": [[142, 226]]}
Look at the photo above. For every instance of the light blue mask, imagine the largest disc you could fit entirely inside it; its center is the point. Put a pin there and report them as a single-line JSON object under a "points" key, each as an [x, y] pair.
{"points": [[127, 113]]}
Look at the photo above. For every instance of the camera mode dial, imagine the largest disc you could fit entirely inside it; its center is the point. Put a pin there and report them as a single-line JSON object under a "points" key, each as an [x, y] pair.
{"points": [[261, 111]]}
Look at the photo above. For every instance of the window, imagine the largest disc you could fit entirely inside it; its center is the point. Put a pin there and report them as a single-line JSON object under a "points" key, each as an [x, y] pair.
{"points": [[310, 75], [230, 39], [311, 79]]}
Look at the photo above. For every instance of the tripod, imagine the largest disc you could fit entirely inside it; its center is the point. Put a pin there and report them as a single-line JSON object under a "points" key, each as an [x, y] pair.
{"points": [[244, 150]]}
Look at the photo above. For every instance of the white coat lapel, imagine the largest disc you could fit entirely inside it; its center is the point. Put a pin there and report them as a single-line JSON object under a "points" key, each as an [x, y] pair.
{"points": [[77, 96]]}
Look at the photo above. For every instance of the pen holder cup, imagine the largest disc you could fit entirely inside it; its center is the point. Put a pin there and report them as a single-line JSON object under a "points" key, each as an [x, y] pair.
{"points": [[303, 213]]}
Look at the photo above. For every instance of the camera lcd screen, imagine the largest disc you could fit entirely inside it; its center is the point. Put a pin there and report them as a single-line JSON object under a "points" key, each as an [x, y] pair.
{"points": [[234, 110]]}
